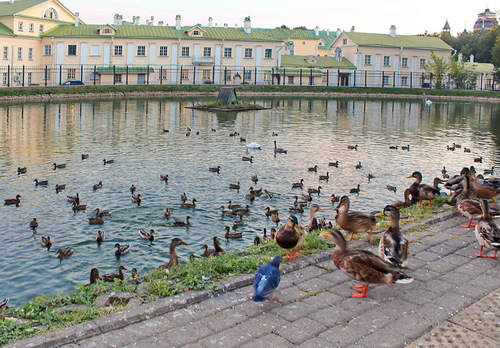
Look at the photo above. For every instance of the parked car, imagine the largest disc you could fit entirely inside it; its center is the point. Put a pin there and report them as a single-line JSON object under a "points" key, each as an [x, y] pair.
{"points": [[73, 83]]}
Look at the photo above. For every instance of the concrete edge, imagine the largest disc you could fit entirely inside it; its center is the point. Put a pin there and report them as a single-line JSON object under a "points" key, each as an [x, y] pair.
{"points": [[162, 306]]}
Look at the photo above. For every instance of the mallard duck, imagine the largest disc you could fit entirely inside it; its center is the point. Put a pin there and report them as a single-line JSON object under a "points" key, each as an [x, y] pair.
{"points": [[46, 242], [370, 176], [132, 189], [99, 213], [231, 235], [230, 205], [407, 201], [359, 165], [267, 279], [354, 222], [392, 147], [41, 182], [405, 147], [207, 252], [307, 197], [313, 222], [334, 198], [297, 209], [101, 237], [489, 171], [137, 199], [59, 166], [481, 190], [97, 186], [325, 177], [313, 190], [422, 191], [487, 232], [74, 199], [272, 233], [13, 201], [94, 277], [85, 156], [64, 252], [110, 277], [299, 184], [363, 265], [227, 212], [96, 221], [275, 218], [182, 223], [444, 173], [250, 196], [242, 210], [105, 161], [216, 251], [256, 192], [467, 206], [392, 188], [279, 149], [466, 149], [235, 186], [450, 148], [34, 223], [265, 237], [238, 222], [254, 178], [247, 159], [22, 170], [313, 169], [270, 211], [4, 304], [478, 159], [174, 258], [77, 207], [134, 273], [352, 147], [334, 164], [164, 178], [167, 213], [268, 194], [189, 205], [243, 140], [121, 249], [393, 247], [355, 190], [147, 235], [274, 134], [184, 197], [290, 236], [214, 169]]}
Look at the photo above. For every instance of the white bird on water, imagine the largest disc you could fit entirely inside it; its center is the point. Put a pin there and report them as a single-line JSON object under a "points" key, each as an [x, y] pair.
{"points": [[253, 146]]}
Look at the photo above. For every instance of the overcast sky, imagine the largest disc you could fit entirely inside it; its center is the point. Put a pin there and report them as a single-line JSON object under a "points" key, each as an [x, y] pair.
{"points": [[374, 16]]}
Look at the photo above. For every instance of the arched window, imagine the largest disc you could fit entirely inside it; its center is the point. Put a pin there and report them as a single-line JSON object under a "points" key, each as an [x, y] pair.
{"points": [[51, 13]]}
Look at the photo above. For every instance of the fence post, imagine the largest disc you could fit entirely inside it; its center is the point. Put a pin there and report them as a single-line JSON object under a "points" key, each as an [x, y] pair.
{"points": [[213, 75], [225, 75], [194, 74], [147, 76], [8, 75], [60, 74], [46, 74], [354, 78], [114, 74], [95, 74], [180, 80], [22, 83], [126, 74], [311, 77], [284, 75], [300, 71], [81, 73], [365, 77], [411, 79], [327, 77], [243, 79], [255, 77]]}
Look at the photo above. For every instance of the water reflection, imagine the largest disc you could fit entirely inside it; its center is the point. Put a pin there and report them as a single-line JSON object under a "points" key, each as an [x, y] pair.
{"points": [[131, 131]]}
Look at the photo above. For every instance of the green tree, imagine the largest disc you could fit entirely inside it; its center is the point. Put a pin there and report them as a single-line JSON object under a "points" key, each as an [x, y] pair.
{"points": [[461, 74], [438, 68], [495, 53]]}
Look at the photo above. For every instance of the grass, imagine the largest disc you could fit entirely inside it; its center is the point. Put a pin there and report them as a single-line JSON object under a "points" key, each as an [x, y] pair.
{"points": [[42, 315]]}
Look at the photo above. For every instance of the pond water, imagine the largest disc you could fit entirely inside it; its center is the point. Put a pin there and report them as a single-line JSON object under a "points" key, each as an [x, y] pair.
{"points": [[131, 132]]}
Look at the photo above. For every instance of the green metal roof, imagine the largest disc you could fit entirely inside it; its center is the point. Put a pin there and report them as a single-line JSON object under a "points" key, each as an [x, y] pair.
{"points": [[322, 62], [446, 25], [299, 72], [405, 41], [326, 36], [8, 9], [481, 68], [281, 34], [169, 32], [5, 30], [123, 70]]}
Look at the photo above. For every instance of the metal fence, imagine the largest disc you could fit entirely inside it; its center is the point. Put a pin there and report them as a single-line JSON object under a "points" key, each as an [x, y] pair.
{"points": [[22, 76]]}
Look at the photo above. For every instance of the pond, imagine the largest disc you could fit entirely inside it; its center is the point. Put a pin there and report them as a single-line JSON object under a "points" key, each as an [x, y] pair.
{"points": [[314, 131]]}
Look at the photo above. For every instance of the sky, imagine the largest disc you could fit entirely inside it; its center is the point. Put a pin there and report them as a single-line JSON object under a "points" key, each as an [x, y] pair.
{"points": [[373, 16]]}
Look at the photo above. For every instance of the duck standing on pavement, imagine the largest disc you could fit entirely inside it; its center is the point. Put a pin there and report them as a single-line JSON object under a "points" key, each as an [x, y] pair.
{"points": [[393, 247]]}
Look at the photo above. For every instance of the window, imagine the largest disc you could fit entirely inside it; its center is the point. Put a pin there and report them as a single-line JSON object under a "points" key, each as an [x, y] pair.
{"points": [[95, 50], [118, 50], [20, 26], [164, 74], [141, 51], [368, 59], [47, 50], [31, 27], [387, 61], [163, 51], [19, 53], [404, 80], [404, 62], [5, 79], [207, 51], [107, 31], [228, 75], [228, 52], [247, 75], [205, 74], [324, 78], [30, 53], [385, 80], [268, 75], [185, 51], [71, 74], [268, 53], [51, 13], [118, 78], [185, 74], [5, 52], [344, 41], [196, 32], [291, 80], [422, 63], [71, 50], [248, 52], [30, 78], [41, 28]]}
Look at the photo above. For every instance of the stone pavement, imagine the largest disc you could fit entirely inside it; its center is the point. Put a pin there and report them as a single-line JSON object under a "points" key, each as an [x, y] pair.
{"points": [[453, 301]]}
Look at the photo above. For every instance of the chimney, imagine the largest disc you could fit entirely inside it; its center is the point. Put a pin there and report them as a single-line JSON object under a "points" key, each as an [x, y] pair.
{"points": [[393, 31], [152, 20], [160, 23], [11, 1], [327, 32], [178, 22], [338, 54], [471, 58], [225, 25], [77, 17], [247, 25], [316, 31], [136, 20], [210, 20], [118, 19], [339, 32], [353, 29]]}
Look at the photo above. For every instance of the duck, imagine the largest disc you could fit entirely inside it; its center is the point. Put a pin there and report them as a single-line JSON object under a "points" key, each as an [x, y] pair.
{"points": [[189, 205], [478, 159], [489, 171], [354, 190], [254, 179], [256, 192], [104, 161], [265, 238], [110, 277], [290, 236], [227, 212], [4, 304], [61, 187], [269, 194], [99, 213], [266, 279], [405, 147], [444, 173], [359, 165], [64, 252], [41, 182], [207, 252], [297, 209], [77, 207], [298, 203], [487, 232], [46, 242], [214, 169], [334, 164], [299, 184], [481, 190], [428, 102], [167, 213], [85, 156], [216, 251], [393, 147], [250, 196], [147, 235], [274, 134], [94, 277], [243, 140], [393, 247], [247, 159], [242, 210], [363, 265], [96, 221], [279, 149], [137, 199], [97, 186], [275, 218], [334, 198], [313, 222], [132, 189], [238, 222], [354, 222], [466, 149], [164, 178], [391, 188], [352, 147], [230, 205], [307, 197], [235, 186], [407, 201], [74, 199], [134, 273], [182, 223], [184, 197], [422, 191], [174, 258], [34, 223], [468, 206], [22, 170], [101, 237], [232, 235], [59, 166], [313, 190], [254, 146], [370, 176], [313, 169], [270, 211], [325, 177], [13, 201], [121, 249]]}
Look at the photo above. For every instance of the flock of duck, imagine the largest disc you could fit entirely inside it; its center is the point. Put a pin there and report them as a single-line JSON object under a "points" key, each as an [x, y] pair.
{"points": [[469, 192]]}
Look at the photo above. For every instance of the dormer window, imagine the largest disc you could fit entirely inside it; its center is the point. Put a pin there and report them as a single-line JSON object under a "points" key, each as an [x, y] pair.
{"points": [[196, 33], [51, 13], [106, 31]]}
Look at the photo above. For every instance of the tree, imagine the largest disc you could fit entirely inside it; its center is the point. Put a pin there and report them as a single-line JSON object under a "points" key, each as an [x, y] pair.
{"points": [[495, 53], [461, 74], [437, 67]]}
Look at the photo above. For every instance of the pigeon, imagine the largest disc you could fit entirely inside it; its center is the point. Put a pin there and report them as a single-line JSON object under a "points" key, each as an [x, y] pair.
{"points": [[266, 279]]}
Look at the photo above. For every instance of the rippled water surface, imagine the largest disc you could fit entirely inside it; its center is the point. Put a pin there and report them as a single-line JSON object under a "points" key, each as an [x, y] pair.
{"points": [[131, 132]]}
